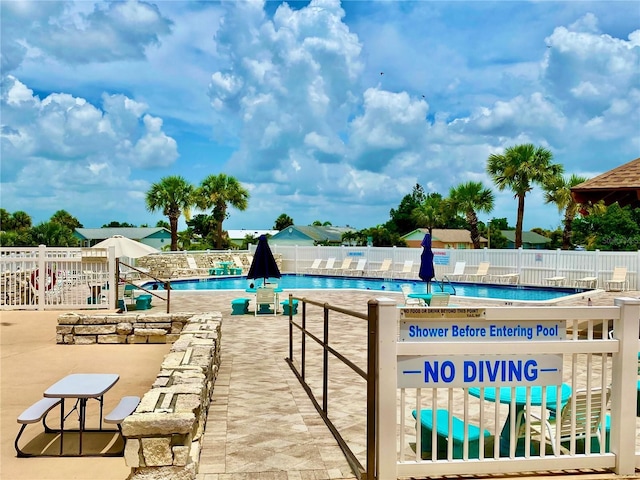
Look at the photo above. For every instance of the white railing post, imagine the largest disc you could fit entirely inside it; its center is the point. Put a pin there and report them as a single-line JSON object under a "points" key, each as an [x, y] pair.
{"points": [[623, 386], [637, 286], [41, 277], [557, 267], [386, 393], [519, 266], [111, 278]]}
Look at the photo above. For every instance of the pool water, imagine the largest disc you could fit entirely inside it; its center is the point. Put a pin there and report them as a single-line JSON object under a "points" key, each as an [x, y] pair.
{"points": [[313, 282]]}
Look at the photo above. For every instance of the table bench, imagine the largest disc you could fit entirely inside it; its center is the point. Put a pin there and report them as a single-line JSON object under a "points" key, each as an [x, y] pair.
{"points": [[239, 306], [36, 412], [125, 407], [442, 433], [285, 307], [143, 302]]}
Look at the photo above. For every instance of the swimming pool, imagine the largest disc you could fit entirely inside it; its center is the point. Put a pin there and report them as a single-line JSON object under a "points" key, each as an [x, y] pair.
{"points": [[313, 282]]}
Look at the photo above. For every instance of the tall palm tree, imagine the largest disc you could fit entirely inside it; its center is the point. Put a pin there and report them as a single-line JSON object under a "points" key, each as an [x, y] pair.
{"points": [[518, 168], [559, 192], [20, 220], [217, 192], [430, 213], [174, 196], [469, 198], [65, 218]]}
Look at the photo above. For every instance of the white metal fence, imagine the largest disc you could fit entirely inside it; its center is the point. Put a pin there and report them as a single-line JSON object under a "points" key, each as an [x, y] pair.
{"points": [[533, 266], [431, 368], [44, 278]]}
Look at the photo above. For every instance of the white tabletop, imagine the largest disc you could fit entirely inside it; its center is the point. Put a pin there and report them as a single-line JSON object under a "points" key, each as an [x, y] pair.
{"points": [[82, 385]]}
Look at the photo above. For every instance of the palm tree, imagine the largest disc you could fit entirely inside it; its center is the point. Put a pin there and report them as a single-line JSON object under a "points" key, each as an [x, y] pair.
{"points": [[217, 192], [65, 218], [469, 198], [430, 213], [174, 196], [559, 192], [20, 220], [518, 168], [282, 222]]}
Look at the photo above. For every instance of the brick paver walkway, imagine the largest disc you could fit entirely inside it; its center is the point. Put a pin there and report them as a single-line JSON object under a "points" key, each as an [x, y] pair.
{"points": [[261, 424]]}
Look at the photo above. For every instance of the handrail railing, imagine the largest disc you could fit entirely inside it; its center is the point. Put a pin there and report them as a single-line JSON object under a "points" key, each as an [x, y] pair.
{"points": [[448, 280], [166, 283], [369, 376]]}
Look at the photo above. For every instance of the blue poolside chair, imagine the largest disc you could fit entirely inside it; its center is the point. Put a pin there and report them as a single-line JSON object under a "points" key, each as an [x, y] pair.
{"points": [[442, 434]]}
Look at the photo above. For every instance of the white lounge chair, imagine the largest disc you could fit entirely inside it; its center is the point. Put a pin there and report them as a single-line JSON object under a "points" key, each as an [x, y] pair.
{"points": [[581, 417], [315, 266], [439, 299], [458, 271], [329, 265], [587, 282], [384, 268], [238, 268], [505, 278], [481, 274], [618, 281], [409, 301], [407, 269], [192, 269], [362, 262], [346, 263]]}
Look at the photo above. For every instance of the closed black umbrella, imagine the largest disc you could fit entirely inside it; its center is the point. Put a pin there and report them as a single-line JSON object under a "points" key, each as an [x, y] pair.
{"points": [[427, 271], [263, 265]]}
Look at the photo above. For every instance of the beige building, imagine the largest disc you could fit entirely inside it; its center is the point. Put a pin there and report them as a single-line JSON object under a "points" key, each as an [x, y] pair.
{"points": [[443, 238]]}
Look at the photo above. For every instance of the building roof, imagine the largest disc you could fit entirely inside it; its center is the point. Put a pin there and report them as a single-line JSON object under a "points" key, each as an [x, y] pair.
{"points": [[531, 238], [134, 233], [310, 233], [445, 235], [240, 234], [622, 185]]}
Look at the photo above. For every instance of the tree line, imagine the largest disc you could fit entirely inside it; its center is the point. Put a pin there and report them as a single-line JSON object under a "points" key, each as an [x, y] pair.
{"points": [[518, 170]]}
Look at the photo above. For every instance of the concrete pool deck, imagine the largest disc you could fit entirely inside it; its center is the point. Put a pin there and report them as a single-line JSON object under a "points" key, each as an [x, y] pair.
{"points": [[261, 424]]}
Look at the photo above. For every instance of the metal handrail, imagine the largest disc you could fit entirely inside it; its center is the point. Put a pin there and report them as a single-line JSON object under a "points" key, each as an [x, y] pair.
{"points": [[448, 280], [166, 283], [369, 376]]}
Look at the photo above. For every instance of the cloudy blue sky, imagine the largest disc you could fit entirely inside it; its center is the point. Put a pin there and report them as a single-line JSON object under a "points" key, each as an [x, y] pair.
{"points": [[323, 110]]}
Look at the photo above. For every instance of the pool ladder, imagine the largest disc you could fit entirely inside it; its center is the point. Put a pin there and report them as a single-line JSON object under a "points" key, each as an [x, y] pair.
{"points": [[442, 282]]}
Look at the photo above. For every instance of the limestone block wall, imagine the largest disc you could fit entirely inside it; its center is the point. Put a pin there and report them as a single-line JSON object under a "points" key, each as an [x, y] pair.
{"points": [[164, 434], [174, 265], [83, 329]]}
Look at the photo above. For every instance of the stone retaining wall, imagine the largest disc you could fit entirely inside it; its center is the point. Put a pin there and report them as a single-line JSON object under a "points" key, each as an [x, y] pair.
{"points": [[165, 432], [83, 329], [175, 265]]}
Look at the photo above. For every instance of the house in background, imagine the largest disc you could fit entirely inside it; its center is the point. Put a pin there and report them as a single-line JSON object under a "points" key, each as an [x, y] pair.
{"points": [[456, 238], [236, 237], [530, 240], [310, 235], [622, 185], [156, 237]]}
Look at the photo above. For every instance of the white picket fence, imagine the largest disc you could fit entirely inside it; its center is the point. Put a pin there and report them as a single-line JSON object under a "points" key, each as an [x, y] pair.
{"points": [[595, 347], [532, 266], [47, 278]]}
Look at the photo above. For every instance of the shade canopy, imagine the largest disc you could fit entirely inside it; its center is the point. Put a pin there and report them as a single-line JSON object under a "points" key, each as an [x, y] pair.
{"points": [[622, 185], [125, 247], [263, 265], [427, 271]]}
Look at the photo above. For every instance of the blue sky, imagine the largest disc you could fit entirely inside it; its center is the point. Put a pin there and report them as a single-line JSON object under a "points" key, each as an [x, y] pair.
{"points": [[323, 110]]}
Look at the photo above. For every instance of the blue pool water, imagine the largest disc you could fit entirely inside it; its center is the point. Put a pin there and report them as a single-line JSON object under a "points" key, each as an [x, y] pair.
{"points": [[312, 282]]}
